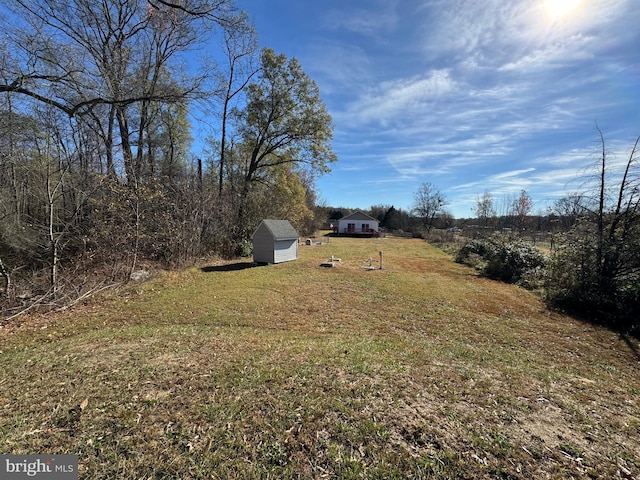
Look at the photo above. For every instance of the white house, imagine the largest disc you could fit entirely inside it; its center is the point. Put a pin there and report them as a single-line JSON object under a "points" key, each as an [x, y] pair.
{"points": [[358, 223], [275, 241]]}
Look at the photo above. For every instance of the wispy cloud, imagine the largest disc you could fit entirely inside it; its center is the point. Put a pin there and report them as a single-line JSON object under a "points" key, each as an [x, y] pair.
{"points": [[552, 55], [339, 66], [375, 20], [389, 100]]}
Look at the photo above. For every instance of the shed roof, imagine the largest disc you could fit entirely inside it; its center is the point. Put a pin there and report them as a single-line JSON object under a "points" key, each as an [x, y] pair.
{"points": [[280, 229]]}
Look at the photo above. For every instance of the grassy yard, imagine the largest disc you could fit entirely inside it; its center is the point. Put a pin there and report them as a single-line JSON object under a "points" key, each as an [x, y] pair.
{"points": [[418, 370]]}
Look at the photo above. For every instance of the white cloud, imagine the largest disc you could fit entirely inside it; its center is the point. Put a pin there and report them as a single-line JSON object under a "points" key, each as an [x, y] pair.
{"points": [[372, 21], [510, 175], [399, 98], [552, 55]]}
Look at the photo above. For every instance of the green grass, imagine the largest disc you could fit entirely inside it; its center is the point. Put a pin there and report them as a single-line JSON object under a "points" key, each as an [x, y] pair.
{"points": [[418, 370]]}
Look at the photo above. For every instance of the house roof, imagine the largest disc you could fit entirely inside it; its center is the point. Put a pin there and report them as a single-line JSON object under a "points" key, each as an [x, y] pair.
{"points": [[358, 215], [280, 229]]}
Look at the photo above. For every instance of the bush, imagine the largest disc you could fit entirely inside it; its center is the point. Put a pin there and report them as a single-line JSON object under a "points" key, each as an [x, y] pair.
{"points": [[604, 292], [504, 258]]}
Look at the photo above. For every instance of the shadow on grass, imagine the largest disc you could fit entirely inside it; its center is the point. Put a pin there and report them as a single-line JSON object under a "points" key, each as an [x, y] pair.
{"points": [[632, 341], [231, 267]]}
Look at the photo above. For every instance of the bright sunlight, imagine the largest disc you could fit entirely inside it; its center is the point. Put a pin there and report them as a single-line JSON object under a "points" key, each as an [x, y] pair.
{"points": [[558, 9]]}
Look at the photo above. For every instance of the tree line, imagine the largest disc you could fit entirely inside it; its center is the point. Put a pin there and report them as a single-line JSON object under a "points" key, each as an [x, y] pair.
{"points": [[97, 176]]}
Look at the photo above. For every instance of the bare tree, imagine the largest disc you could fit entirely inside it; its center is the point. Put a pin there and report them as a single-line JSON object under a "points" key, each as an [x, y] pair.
{"points": [[240, 47], [522, 207], [617, 254], [429, 202], [484, 209], [569, 209], [111, 33]]}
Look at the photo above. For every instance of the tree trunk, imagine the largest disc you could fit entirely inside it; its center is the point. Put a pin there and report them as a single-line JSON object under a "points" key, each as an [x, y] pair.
{"points": [[601, 212], [7, 279], [223, 147], [53, 242], [111, 169], [136, 235], [131, 170]]}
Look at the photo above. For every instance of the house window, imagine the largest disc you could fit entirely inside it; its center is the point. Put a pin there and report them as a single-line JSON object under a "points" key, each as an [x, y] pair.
{"points": [[365, 227], [351, 227]]}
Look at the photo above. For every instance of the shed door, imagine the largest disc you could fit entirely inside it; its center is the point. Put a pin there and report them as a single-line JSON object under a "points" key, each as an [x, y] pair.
{"points": [[284, 250]]}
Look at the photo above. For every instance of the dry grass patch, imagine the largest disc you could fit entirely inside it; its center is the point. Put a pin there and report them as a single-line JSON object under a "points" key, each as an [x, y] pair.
{"points": [[418, 370]]}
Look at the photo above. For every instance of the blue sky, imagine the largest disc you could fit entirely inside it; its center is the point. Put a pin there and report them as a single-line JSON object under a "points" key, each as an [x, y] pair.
{"points": [[469, 95]]}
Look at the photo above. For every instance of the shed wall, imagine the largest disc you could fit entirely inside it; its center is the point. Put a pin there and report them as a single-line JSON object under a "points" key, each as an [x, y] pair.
{"points": [[268, 250], [263, 251]]}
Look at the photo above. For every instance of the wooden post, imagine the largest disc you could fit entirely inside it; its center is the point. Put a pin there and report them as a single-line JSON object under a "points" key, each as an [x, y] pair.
{"points": [[380, 259]]}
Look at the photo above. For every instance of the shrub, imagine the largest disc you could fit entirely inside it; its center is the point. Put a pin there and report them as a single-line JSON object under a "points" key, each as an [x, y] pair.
{"points": [[504, 258], [604, 291]]}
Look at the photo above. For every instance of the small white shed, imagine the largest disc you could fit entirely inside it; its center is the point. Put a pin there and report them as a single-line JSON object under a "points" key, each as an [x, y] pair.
{"points": [[275, 241]]}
